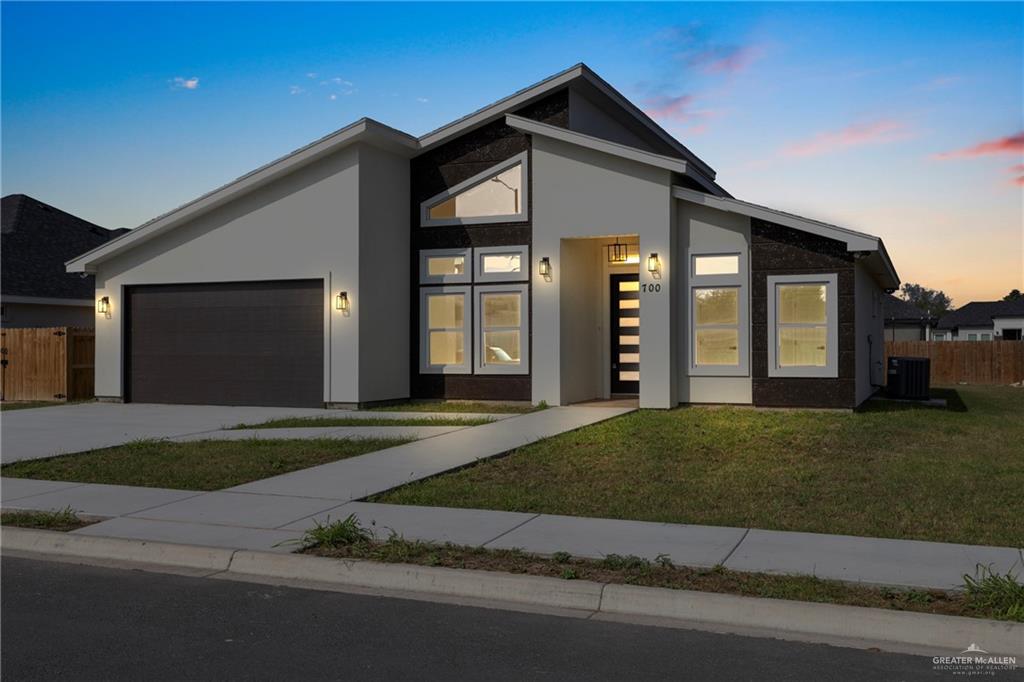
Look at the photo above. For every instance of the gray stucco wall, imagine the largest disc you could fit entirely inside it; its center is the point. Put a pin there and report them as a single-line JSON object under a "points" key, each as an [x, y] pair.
{"points": [[38, 315], [304, 226], [588, 118]]}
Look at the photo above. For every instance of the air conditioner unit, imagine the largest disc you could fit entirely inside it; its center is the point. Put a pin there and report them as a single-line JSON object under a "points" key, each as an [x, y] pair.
{"points": [[908, 378]]}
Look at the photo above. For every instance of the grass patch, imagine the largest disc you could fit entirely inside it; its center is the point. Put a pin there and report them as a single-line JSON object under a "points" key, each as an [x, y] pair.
{"points": [[197, 465], [314, 422], [460, 406], [27, 405], [348, 540], [62, 520], [890, 470]]}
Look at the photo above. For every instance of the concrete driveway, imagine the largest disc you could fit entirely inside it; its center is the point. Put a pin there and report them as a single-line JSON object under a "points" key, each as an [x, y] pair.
{"points": [[47, 431]]}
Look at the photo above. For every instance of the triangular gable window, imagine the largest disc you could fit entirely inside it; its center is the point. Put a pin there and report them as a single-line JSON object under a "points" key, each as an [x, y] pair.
{"points": [[495, 195]]}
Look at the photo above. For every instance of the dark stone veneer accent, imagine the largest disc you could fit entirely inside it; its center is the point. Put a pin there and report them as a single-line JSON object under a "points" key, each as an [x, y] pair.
{"points": [[778, 250], [432, 173]]}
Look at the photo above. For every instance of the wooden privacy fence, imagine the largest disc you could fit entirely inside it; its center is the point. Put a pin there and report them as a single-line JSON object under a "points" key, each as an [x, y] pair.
{"points": [[966, 362], [47, 363]]}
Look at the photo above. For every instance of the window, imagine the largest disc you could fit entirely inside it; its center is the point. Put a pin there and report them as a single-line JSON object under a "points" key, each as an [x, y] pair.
{"points": [[502, 341], [986, 337], [445, 266], [803, 320], [502, 264], [445, 332], [496, 195], [719, 332], [939, 336], [972, 337], [716, 265], [716, 320]]}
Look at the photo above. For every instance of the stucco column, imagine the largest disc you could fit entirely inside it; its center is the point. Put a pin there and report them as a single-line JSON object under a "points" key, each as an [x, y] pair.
{"points": [[657, 318]]}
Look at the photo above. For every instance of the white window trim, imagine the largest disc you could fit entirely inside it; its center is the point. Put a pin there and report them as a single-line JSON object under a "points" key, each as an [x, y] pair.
{"points": [[465, 277], [831, 368], [467, 332], [524, 197], [524, 260], [479, 365], [736, 281]]}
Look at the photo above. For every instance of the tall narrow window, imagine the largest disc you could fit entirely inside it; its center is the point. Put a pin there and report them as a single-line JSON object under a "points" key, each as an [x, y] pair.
{"points": [[495, 195], [445, 333], [716, 320], [502, 344], [803, 319]]}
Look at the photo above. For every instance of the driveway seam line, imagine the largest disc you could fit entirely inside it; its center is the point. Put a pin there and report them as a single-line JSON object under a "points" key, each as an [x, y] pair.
{"points": [[735, 547], [58, 490], [163, 504], [515, 527]]}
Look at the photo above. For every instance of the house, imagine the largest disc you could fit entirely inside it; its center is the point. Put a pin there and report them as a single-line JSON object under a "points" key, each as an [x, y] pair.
{"points": [[982, 321], [35, 241], [557, 245], [904, 321]]}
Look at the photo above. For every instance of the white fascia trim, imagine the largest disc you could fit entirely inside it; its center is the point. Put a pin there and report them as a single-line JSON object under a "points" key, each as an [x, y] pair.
{"points": [[532, 127], [363, 130], [40, 300]]}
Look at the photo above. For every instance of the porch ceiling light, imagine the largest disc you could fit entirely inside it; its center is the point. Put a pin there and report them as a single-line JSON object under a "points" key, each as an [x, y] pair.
{"points": [[618, 253], [341, 301], [652, 263], [544, 268], [103, 305]]}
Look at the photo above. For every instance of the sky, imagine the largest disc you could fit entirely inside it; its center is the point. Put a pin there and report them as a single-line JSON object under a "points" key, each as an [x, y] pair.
{"points": [[902, 120]]}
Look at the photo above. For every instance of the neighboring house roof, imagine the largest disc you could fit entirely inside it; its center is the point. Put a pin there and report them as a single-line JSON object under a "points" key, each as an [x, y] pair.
{"points": [[877, 262], [980, 313], [36, 241], [896, 309]]}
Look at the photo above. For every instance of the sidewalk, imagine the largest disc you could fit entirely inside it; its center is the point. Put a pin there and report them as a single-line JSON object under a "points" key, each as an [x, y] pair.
{"points": [[262, 514]]}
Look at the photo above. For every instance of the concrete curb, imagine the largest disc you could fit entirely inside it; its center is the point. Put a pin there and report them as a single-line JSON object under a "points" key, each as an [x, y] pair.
{"points": [[803, 620]]}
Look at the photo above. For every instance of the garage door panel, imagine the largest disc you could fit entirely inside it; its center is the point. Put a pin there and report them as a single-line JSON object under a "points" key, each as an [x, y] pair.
{"points": [[248, 343]]}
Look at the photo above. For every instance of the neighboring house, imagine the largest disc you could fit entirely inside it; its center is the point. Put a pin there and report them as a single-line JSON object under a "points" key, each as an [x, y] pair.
{"points": [[982, 321], [555, 246], [36, 240], [904, 321]]}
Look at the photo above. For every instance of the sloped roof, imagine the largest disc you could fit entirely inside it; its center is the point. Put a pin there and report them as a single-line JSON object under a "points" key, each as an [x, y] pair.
{"points": [[36, 241], [980, 313], [895, 308]]}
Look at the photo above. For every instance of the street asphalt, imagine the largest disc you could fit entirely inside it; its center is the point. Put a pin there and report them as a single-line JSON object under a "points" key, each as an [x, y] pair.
{"points": [[63, 621]]}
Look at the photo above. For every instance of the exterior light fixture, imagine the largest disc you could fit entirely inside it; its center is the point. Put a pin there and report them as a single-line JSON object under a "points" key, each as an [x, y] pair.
{"points": [[652, 263], [103, 305], [618, 253], [341, 301], [545, 267]]}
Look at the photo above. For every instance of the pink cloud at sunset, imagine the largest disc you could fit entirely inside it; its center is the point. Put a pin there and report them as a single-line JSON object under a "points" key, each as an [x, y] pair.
{"points": [[1012, 144], [726, 60], [854, 135]]}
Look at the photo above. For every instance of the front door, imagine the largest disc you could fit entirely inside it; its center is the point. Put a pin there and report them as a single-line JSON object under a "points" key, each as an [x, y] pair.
{"points": [[625, 327]]}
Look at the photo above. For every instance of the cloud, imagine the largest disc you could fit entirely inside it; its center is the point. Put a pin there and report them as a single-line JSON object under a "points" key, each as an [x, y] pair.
{"points": [[336, 81], [422, 100], [854, 135], [311, 74], [295, 90], [1013, 144], [332, 97], [182, 83], [670, 108], [731, 59], [940, 82]]}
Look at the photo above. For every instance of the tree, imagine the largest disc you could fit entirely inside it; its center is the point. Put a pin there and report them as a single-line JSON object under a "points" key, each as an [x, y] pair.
{"points": [[934, 302], [1014, 295]]}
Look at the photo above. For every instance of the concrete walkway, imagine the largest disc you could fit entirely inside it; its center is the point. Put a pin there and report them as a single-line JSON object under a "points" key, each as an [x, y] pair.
{"points": [[346, 432], [48, 431]]}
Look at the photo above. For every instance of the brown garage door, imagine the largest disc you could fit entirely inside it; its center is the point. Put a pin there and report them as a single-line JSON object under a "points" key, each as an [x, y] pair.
{"points": [[242, 343]]}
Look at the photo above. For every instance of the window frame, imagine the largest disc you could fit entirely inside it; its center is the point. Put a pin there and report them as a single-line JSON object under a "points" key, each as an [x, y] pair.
{"points": [[465, 278], [466, 366], [738, 281], [524, 198], [831, 368], [478, 264], [479, 366]]}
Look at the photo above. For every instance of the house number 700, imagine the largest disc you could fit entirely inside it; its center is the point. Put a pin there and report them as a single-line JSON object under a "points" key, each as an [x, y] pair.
{"points": [[651, 288]]}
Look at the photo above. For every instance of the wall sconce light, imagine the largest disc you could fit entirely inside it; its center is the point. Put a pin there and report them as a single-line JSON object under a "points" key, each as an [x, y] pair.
{"points": [[103, 305], [341, 301], [653, 264], [544, 268]]}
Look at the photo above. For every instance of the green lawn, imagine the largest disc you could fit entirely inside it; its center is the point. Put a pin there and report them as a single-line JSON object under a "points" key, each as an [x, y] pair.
{"points": [[314, 422], [63, 520], [889, 470], [198, 465], [459, 406]]}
